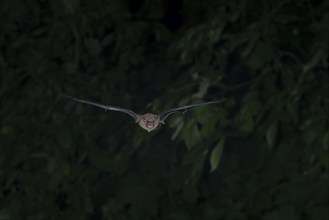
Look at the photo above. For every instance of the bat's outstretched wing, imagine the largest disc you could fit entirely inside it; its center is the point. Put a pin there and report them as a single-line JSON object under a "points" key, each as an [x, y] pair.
{"points": [[107, 107], [183, 109]]}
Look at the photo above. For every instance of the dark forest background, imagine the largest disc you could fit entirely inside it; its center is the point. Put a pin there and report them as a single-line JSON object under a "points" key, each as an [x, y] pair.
{"points": [[262, 154]]}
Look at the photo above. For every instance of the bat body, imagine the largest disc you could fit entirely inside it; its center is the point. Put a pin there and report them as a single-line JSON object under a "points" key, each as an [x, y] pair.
{"points": [[147, 121]]}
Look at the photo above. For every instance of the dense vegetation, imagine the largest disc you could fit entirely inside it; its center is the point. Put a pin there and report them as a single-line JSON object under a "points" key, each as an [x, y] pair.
{"points": [[263, 154]]}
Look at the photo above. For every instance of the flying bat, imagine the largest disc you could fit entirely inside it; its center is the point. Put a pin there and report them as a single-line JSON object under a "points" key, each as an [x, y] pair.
{"points": [[147, 121]]}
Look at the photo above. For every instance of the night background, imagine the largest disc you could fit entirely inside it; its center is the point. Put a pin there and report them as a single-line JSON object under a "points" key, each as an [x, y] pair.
{"points": [[263, 154]]}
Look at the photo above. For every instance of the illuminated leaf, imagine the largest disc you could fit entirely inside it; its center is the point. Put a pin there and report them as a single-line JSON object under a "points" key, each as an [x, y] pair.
{"points": [[216, 155], [271, 134]]}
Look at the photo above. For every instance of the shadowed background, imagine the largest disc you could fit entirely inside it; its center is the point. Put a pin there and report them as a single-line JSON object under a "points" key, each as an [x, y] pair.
{"points": [[262, 154]]}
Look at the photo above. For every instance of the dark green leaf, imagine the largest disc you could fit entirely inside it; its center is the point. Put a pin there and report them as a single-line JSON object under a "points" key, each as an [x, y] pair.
{"points": [[271, 134], [216, 155]]}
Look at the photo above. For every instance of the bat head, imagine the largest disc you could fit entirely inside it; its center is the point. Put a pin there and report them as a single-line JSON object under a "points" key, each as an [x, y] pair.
{"points": [[149, 121]]}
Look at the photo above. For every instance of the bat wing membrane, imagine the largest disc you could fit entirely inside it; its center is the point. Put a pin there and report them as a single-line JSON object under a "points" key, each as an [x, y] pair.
{"points": [[107, 107], [183, 109]]}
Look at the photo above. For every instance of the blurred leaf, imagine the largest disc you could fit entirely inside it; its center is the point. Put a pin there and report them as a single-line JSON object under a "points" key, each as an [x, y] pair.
{"points": [[285, 212], [250, 47], [325, 141], [93, 45], [191, 134], [108, 39], [324, 160], [203, 87], [315, 59], [100, 159], [310, 136], [64, 137], [209, 121], [214, 33], [286, 18], [177, 131], [191, 193], [197, 166], [70, 67], [216, 155], [245, 119], [271, 134], [6, 130], [4, 215], [194, 160], [261, 54], [293, 111]]}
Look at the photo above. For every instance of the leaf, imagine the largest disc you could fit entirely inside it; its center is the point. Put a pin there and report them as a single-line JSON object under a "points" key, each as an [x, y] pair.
{"points": [[261, 54], [310, 136], [203, 88], [4, 214], [247, 125], [93, 45], [6, 130], [271, 134], [177, 131], [197, 165], [293, 112], [325, 141], [108, 39], [70, 67], [191, 134], [216, 155], [314, 61], [194, 160]]}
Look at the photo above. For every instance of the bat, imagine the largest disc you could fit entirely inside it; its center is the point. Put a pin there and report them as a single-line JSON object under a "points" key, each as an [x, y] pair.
{"points": [[147, 121]]}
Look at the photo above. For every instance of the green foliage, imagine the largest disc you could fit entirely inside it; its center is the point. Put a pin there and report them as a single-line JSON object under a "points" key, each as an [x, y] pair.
{"points": [[262, 154], [216, 154]]}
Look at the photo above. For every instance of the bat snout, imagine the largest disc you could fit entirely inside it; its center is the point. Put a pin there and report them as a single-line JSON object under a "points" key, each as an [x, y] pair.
{"points": [[150, 124]]}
